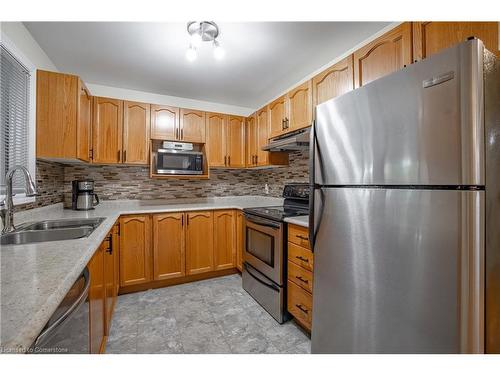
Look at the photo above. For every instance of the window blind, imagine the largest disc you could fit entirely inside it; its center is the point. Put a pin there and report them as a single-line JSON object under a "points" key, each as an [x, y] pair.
{"points": [[14, 117]]}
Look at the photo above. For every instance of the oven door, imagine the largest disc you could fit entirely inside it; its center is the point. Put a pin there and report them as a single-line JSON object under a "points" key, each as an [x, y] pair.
{"points": [[263, 248], [179, 162]]}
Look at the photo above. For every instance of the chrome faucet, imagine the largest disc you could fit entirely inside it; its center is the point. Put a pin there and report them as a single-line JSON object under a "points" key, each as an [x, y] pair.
{"points": [[7, 205]]}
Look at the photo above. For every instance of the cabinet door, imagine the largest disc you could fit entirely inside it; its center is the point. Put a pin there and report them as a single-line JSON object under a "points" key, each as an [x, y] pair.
{"points": [[251, 141], [107, 130], [299, 107], [135, 250], [56, 107], [116, 256], [386, 54], [216, 127], [109, 279], [96, 301], [199, 242], [432, 37], [236, 141], [136, 122], [192, 126], [239, 239], [224, 239], [168, 246], [262, 137], [84, 123], [334, 81], [277, 117], [164, 123]]}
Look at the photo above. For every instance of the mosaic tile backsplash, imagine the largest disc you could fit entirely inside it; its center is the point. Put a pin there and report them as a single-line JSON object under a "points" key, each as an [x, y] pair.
{"points": [[126, 182], [114, 182], [49, 183]]}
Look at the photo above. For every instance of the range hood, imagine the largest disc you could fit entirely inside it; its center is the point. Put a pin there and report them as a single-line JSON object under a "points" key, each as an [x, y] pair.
{"points": [[297, 140]]}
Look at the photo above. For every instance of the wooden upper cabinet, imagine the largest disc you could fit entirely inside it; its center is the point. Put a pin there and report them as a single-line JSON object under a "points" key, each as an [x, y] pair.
{"points": [[168, 246], [386, 54], [432, 37], [83, 123], [135, 250], [224, 239], [262, 157], [199, 242], [216, 127], [136, 123], [236, 142], [107, 130], [96, 300], [334, 81], [62, 117], [164, 123], [299, 107], [276, 113], [192, 125], [251, 141], [240, 219]]}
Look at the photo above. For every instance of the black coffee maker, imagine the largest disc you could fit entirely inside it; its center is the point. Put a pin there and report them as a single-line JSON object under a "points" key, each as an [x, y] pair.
{"points": [[83, 196]]}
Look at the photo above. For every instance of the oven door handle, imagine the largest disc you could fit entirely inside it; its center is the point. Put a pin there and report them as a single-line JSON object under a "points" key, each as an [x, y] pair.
{"points": [[260, 278], [264, 223]]}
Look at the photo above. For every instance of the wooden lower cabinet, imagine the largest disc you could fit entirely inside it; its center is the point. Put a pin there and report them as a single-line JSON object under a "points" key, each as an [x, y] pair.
{"points": [[299, 304], [168, 246], [109, 280], [96, 301], [240, 235], [300, 275], [135, 250], [224, 239], [199, 242]]}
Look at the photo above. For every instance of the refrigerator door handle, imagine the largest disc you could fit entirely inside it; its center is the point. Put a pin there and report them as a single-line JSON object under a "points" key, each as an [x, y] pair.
{"points": [[313, 227], [312, 146]]}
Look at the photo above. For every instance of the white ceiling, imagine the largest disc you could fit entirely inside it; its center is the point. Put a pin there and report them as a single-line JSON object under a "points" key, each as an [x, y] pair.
{"points": [[262, 58]]}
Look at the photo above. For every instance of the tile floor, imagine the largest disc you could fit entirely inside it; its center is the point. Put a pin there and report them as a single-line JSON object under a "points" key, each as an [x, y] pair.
{"points": [[210, 316]]}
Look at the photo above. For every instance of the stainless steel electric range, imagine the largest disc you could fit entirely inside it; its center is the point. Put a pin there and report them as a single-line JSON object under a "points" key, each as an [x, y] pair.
{"points": [[265, 250]]}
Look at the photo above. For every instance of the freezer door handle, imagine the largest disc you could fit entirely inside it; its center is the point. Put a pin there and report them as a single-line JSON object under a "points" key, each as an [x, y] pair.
{"points": [[313, 227]]}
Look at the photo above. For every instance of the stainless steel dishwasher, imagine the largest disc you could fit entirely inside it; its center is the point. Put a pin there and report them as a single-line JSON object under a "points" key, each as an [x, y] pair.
{"points": [[67, 331]]}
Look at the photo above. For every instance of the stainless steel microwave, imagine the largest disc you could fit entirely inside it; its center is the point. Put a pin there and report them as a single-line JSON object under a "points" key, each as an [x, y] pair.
{"points": [[178, 158]]}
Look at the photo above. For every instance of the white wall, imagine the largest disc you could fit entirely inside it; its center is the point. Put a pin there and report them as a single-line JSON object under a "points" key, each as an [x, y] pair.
{"points": [[175, 101], [22, 39]]}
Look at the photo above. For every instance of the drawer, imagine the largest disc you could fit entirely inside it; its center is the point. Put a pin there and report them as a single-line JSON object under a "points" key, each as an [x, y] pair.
{"points": [[298, 235], [299, 303], [300, 256], [300, 276]]}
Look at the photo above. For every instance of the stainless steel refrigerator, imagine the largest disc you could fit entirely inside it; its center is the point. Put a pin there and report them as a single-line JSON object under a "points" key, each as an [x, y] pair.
{"points": [[405, 219]]}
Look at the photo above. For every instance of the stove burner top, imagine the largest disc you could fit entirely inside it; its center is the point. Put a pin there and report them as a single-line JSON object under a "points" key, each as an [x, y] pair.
{"points": [[277, 212]]}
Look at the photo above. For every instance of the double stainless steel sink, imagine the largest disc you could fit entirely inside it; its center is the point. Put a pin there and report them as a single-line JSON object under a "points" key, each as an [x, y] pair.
{"points": [[51, 230]]}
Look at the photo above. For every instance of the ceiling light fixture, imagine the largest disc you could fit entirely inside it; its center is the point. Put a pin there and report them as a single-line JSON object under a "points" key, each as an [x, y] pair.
{"points": [[204, 31]]}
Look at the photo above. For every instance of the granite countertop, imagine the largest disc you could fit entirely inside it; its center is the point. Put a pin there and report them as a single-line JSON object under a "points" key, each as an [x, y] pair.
{"points": [[36, 277], [299, 220]]}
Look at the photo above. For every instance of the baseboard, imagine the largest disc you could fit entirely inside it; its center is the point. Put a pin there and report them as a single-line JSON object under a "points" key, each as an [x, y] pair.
{"points": [[176, 281]]}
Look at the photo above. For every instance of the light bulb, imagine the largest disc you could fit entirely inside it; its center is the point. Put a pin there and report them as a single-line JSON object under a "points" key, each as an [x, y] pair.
{"points": [[191, 53], [219, 52], [196, 39]]}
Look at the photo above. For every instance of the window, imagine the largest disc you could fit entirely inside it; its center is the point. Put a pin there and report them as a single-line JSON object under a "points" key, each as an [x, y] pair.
{"points": [[17, 81]]}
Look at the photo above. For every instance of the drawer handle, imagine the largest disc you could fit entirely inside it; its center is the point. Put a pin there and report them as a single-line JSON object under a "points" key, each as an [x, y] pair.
{"points": [[302, 308], [302, 279], [302, 258], [302, 237]]}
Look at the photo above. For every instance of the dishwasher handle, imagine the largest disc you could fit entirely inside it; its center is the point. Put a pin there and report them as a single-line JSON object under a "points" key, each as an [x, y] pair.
{"points": [[50, 330]]}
